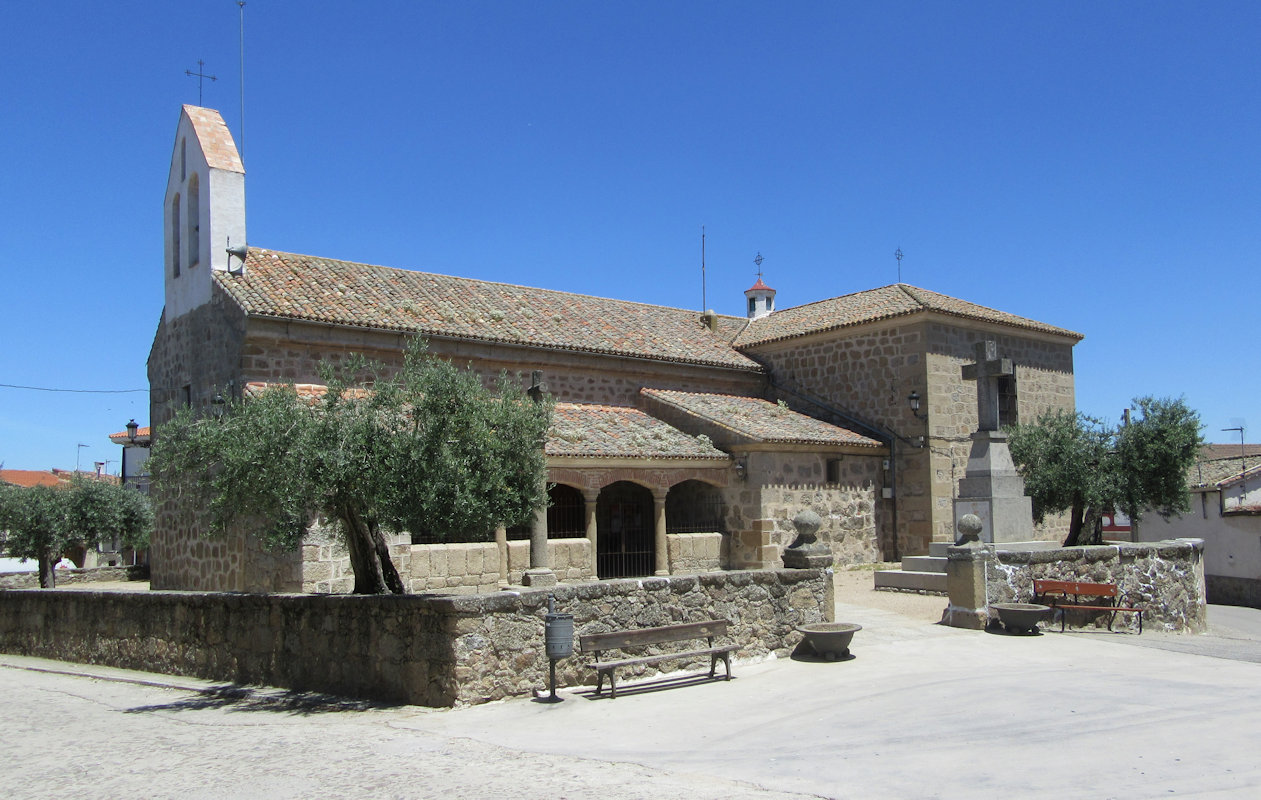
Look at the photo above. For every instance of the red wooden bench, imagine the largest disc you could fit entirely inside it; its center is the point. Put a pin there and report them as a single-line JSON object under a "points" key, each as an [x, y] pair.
{"points": [[1066, 596]]}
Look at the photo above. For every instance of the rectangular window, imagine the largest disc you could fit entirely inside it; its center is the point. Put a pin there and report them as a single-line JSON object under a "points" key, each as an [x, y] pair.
{"points": [[187, 395]]}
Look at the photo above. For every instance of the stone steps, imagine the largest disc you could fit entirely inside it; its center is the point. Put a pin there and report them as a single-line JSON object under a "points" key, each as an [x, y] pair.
{"points": [[919, 573]]}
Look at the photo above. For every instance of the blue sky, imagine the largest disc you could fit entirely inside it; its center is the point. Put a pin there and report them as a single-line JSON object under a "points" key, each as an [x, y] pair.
{"points": [[1091, 165]]}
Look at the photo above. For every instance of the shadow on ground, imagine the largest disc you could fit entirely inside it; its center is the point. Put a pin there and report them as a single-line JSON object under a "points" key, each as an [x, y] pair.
{"points": [[245, 698]]}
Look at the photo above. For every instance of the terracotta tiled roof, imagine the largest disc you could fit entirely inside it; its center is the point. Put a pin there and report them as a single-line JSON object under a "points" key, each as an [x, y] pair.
{"points": [[614, 431], [215, 139], [759, 287], [887, 302], [292, 286], [1216, 452], [142, 436], [758, 420], [31, 477]]}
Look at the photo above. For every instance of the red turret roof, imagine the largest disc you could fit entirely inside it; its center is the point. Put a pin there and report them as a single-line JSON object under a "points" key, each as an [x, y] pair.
{"points": [[759, 287]]}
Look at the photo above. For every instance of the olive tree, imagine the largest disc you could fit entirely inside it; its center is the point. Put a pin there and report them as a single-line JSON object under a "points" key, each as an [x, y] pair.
{"points": [[1076, 463], [43, 522], [428, 449]]}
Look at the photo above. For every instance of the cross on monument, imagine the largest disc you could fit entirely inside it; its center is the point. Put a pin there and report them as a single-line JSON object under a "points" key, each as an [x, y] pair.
{"points": [[199, 75], [986, 372]]}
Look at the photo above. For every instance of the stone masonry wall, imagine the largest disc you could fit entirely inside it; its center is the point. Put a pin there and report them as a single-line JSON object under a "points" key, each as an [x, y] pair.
{"points": [[696, 552], [1166, 579], [781, 485], [437, 651]]}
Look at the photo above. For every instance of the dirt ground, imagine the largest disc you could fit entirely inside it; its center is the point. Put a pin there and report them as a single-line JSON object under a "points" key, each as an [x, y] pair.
{"points": [[856, 586]]}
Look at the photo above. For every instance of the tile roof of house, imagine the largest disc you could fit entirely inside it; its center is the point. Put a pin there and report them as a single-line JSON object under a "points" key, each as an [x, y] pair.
{"points": [[27, 478], [291, 286], [759, 420], [215, 139], [593, 431], [887, 302], [142, 433]]}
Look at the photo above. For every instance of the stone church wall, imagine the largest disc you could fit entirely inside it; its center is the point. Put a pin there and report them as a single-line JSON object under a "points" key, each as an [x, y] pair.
{"points": [[277, 352], [869, 370]]}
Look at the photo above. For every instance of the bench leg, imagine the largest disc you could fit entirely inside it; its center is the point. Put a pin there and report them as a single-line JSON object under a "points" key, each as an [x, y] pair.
{"points": [[612, 684], [726, 660]]}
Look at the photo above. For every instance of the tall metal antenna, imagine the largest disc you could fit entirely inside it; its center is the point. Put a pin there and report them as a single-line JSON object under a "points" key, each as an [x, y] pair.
{"points": [[704, 301], [1243, 448], [241, 5], [199, 75], [898, 255]]}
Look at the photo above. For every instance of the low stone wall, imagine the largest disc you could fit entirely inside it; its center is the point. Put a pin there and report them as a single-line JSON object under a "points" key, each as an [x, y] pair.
{"points": [[447, 567], [437, 651], [1165, 579], [696, 552], [65, 577]]}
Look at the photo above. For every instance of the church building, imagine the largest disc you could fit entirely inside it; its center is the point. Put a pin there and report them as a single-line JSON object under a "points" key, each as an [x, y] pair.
{"points": [[683, 441]]}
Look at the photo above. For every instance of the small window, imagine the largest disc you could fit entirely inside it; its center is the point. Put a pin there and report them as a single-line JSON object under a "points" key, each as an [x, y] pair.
{"points": [[187, 394], [834, 470], [752, 305], [175, 237]]}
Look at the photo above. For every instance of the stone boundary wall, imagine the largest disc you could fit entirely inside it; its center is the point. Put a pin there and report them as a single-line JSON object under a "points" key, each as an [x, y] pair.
{"points": [[435, 651], [30, 580], [1165, 579]]}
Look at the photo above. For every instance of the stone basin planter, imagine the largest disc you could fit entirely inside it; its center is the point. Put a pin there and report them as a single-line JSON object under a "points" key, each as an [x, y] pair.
{"points": [[1021, 617], [830, 639]]}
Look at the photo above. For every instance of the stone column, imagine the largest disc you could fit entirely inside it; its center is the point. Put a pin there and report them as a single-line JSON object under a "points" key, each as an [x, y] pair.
{"points": [[590, 499], [501, 547], [662, 543], [540, 571], [966, 572]]}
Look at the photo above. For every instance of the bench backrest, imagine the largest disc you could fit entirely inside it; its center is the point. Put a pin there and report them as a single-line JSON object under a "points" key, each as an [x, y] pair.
{"points": [[592, 642], [1042, 587]]}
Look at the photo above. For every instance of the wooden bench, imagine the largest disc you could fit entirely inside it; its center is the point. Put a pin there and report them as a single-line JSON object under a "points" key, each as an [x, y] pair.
{"points": [[595, 644], [1066, 596]]}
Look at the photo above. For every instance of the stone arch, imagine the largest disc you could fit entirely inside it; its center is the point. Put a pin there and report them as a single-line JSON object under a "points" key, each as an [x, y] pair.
{"points": [[566, 512], [695, 506], [625, 520]]}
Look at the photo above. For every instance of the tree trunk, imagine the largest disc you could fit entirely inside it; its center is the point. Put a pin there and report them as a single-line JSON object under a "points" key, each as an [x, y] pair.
{"points": [[392, 580], [47, 571], [1075, 518], [363, 558], [370, 556]]}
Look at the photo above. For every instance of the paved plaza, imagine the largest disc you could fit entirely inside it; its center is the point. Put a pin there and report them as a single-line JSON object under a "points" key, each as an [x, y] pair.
{"points": [[921, 710]]}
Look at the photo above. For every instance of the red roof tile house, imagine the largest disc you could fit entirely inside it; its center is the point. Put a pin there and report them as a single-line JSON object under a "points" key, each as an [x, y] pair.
{"points": [[682, 441]]}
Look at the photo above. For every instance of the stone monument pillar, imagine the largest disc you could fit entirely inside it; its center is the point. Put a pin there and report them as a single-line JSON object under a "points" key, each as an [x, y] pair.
{"points": [[540, 572], [991, 489]]}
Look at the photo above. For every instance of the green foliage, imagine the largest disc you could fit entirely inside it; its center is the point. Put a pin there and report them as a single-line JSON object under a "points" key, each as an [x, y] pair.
{"points": [[428, 449], [42, 522], [1072, 462]]}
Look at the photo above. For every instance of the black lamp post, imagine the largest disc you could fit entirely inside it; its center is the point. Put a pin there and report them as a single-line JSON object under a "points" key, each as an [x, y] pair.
{"points": [[132, 427]]}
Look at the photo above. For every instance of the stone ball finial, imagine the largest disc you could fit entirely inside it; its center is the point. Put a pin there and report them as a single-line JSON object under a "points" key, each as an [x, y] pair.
{"points": [[807, 524], [969, 527], [806, 552]]}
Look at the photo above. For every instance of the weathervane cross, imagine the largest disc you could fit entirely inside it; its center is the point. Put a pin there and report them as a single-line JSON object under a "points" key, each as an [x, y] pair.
{"points": [[199, 75], [758, 260], [986, 372]]}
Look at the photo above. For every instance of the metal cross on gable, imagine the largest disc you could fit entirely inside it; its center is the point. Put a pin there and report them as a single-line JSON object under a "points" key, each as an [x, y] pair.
{"points": [[986, 372], [199, 75]]}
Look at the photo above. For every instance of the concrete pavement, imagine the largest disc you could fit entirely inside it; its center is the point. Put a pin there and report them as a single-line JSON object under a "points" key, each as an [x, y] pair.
{"points": [[920, 711]]}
